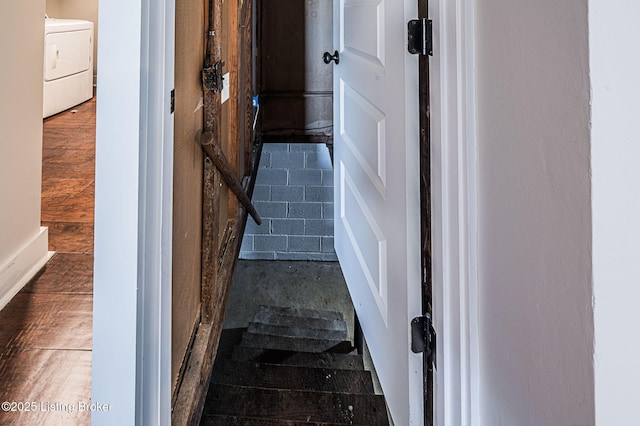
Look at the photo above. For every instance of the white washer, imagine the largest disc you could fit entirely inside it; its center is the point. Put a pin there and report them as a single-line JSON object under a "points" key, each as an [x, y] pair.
{"points": [[68, 64]]}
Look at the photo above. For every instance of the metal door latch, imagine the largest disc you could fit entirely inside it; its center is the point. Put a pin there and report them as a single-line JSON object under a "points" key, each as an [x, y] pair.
{"points": [[212, 77]]}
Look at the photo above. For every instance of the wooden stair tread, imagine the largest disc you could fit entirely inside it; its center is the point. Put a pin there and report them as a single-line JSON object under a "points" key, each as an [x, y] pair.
{"points": [[305, 359], [272, 318], [298, 405], [298, 331], [291, 377], [221, 420], [298, 312], [291, 367], [297, 344], [229, 339]]}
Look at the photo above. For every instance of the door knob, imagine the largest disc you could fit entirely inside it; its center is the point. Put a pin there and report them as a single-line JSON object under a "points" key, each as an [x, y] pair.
{"points": [[328, 57]]}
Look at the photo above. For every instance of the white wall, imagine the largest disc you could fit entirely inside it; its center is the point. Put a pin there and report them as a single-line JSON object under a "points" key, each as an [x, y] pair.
{"points": [[535, 318], [615, 67], [23, 244]]}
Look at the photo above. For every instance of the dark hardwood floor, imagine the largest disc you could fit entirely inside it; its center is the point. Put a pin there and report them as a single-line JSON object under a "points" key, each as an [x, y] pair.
{"points": [[45, 331], [68, 169]]}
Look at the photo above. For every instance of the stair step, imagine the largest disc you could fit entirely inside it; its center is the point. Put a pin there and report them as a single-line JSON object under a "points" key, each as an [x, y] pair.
{"points": [[299, 405], [298, 312], [298, 331], [298, 344], [229, 339], [272, 318], [291, 377], [220, 420], [317, 360]]}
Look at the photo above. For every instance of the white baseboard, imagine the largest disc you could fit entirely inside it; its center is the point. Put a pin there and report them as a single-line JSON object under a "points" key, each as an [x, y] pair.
{"points": [[17, 272]]}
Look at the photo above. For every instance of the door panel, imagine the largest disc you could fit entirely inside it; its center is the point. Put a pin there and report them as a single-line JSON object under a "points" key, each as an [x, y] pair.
{"points": [[367, 240], [363, 34], [377, 190], [362, 121]]}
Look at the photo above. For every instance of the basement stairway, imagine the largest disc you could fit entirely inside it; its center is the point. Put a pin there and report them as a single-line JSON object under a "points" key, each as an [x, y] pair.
{"points": [[291, 367]]}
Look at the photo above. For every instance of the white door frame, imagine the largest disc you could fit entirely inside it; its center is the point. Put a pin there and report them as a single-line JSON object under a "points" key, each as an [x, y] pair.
{"points": [[133, 213], [454, 212]]}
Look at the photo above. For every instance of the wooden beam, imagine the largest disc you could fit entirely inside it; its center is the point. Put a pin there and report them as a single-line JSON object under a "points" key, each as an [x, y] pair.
{"points": [[192, 393], [247, 71], [291, 137], [227, 174], [211, 178], [209, 240], [232, 150]]}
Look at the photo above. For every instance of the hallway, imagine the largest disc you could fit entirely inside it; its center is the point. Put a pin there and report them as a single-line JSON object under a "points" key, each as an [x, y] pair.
{"points": [[45, 331]]}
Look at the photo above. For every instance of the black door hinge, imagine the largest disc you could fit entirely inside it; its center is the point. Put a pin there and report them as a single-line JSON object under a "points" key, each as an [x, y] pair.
{"points": [[420, 37], [212, 77], [173, 100], [423, 337]]}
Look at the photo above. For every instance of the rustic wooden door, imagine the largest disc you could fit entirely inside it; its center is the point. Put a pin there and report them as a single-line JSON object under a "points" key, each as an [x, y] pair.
{"points": [[377, 188]]}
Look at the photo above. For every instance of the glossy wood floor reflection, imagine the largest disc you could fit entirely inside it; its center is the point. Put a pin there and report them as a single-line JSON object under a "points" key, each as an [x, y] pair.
{"points": [[68, 169], [45, 331]]}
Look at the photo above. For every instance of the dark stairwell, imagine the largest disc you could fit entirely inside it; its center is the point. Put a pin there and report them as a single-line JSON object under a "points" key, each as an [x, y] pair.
{"points": [[293, 365]]}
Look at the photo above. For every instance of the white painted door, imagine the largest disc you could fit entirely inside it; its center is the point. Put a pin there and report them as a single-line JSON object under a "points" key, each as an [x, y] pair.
{"points": [[376, 161]]}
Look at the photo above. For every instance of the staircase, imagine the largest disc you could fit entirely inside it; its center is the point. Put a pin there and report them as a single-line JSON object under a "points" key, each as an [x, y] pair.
{"points": [[291, 367]]}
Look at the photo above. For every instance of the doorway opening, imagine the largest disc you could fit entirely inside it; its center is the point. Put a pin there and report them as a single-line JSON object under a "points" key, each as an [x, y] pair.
{"points": [[294, 84], [289, 261], [47, 327], [68, 161]]}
